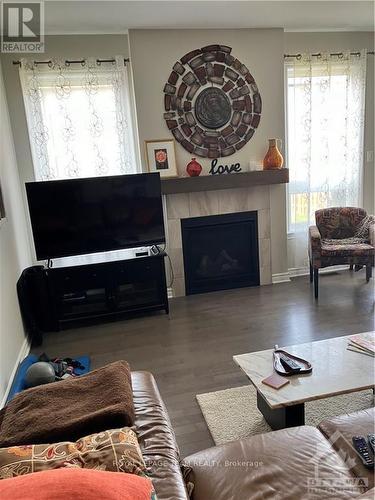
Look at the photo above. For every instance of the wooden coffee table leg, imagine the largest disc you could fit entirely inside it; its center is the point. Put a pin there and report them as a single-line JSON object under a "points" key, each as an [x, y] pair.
{"points": [[280, 418]]}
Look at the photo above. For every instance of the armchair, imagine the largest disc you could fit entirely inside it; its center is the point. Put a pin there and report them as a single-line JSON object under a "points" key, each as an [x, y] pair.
{"points": [[342, 235]]}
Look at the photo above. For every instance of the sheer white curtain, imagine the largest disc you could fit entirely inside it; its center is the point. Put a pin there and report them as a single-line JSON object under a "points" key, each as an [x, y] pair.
{"points": [[325, 122], [79, 118]]}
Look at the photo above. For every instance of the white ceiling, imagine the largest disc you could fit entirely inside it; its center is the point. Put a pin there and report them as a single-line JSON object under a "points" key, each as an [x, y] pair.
{"points": [[117, 16]]}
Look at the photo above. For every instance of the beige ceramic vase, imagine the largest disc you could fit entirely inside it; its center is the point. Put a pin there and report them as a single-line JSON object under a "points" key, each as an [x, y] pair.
{"points": [[274, 159]]}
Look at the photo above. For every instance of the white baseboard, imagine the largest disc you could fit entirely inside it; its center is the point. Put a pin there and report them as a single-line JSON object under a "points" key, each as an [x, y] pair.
{"points": [[280, 278], [24, 351], [304, 271], [291, 273], [299, 271]]}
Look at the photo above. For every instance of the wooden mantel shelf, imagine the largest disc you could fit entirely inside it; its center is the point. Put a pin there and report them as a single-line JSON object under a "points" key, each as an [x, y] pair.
{"points": [[225, 181]]}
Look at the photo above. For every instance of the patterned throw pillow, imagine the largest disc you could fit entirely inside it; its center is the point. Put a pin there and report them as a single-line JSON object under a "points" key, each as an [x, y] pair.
{"points": [[114, 450], [364, 227]]}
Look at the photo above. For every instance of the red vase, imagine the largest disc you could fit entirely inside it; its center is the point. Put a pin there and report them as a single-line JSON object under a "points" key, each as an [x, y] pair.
{"points": [[193, 168]]}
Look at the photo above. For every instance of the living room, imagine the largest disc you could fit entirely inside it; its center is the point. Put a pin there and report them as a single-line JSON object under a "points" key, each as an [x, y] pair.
{"points": [[188, 186]]}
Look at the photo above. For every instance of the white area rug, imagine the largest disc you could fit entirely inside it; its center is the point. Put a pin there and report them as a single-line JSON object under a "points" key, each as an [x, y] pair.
{"points": [[233, 414]]}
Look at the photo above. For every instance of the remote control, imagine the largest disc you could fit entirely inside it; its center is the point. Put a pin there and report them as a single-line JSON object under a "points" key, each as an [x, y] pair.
{"points": [[371, 441], [363, 451], [289, 364]]}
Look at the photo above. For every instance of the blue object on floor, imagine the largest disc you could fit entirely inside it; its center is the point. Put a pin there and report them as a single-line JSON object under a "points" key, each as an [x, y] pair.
{"points": [[19, 380]]}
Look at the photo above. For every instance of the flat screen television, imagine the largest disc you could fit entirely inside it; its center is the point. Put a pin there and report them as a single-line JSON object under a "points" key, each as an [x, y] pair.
{"points": [[81, 216]]}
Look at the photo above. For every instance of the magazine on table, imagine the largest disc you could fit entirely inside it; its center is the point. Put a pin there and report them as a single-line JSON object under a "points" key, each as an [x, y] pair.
{"points": [[363, 343]]}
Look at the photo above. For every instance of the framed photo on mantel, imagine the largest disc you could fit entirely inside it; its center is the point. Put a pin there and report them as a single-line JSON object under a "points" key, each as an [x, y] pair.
{"points": [[161, 157]]}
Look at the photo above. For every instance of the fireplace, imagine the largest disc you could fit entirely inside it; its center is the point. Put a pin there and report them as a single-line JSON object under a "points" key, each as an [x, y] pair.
{"points": [[220, 252]]}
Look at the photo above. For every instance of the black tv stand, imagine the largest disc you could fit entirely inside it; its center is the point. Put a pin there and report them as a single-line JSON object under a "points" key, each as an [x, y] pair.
{"points": [[80, 291]]}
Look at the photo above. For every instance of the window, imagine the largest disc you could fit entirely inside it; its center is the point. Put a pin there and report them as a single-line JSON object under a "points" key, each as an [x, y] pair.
{"points": [[79, 118], [325, 115]]}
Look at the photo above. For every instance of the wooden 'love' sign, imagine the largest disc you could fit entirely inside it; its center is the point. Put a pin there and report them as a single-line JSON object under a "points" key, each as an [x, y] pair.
{"points": [[224, 169]]}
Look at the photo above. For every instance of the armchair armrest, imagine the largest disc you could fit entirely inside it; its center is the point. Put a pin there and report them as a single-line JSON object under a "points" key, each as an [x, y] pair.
{"points": [[372, 234], [314, 243]]}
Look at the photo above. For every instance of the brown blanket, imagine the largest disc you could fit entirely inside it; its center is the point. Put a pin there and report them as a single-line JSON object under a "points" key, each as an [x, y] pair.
{"points": [[70, 409]]}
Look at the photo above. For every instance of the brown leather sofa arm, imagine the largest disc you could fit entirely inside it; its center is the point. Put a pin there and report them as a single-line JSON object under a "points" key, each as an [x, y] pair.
{"points": [[314, 242], [157, 439], [281, 464], [340, 430]]}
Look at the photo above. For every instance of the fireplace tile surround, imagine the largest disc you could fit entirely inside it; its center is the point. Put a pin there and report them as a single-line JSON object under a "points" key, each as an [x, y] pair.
{"points": [[202, 203]]}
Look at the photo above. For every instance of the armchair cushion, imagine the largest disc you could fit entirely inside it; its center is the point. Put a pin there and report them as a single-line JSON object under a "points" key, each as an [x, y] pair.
{"points": [[346, 250], [339, 222]]}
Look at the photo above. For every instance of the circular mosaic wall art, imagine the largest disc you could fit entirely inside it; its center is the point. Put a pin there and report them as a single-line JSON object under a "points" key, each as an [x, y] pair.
{"points": [[212, 103]]}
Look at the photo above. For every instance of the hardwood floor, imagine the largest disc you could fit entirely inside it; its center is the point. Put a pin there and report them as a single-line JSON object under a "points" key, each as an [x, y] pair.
{"points": [[190, 352]]}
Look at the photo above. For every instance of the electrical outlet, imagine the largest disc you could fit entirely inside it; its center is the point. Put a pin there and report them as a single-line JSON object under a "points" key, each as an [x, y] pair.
{"points": [[369, 156]]}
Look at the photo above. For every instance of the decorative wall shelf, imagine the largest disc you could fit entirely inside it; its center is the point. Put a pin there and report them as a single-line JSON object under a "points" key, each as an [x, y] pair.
{"points": [[225, 181]]}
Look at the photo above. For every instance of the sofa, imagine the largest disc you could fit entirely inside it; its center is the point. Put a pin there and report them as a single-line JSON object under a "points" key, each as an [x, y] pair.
{"points": [[296, 463]]}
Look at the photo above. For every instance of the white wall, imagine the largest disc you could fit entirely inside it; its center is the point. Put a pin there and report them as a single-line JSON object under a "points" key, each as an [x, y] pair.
{"points": [[15, 252], [154, 52]]}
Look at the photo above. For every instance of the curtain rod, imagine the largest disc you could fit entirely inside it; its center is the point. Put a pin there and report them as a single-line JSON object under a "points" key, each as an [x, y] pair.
{"points": [[338, 54], [70, 61]]}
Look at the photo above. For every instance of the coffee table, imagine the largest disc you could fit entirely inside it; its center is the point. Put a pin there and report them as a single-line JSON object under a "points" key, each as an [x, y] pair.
{"points": [[336, 370]]}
